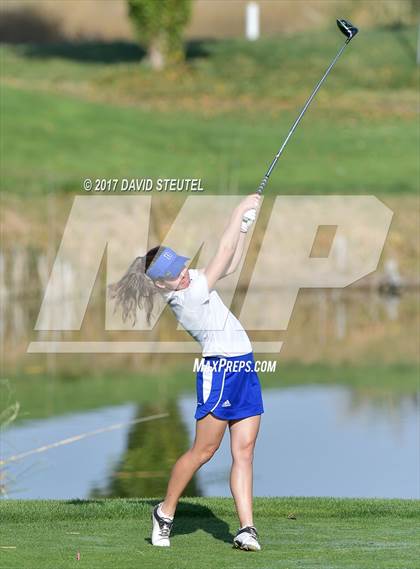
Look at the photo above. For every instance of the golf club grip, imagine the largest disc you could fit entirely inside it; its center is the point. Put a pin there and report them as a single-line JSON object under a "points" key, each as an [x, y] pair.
{"points": [[262, 185]]}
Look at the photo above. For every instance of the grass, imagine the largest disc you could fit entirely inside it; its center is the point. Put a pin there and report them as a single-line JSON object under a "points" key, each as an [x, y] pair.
{"points": [[327, 533], [72, 111], [277, 69], [52, 143]]}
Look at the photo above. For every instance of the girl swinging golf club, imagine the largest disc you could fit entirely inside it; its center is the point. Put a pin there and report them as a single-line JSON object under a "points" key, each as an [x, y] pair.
{"points": [[224, 396], [228, 388]]}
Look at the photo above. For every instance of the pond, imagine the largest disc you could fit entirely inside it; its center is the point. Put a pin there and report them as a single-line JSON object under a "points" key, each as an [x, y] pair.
{"points": [[341, 409], [312, 442]]}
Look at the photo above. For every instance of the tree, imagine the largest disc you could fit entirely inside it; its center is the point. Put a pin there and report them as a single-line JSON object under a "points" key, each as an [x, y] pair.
{"points": [[159, 25], [152, 449]]}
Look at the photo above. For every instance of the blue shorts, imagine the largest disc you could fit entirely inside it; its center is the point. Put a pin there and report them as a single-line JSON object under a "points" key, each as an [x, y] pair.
{"points": [[229, 388]]}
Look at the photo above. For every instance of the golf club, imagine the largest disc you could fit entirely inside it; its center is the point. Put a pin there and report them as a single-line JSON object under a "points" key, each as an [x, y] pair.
{"points": [[349, 31]]}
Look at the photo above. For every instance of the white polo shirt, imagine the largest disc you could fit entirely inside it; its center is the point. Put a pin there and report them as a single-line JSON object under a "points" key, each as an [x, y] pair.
{"points": [[206, 318]]}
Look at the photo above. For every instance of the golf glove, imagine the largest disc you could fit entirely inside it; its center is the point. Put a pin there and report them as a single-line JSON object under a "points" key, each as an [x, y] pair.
{"points": [[248, 219]]}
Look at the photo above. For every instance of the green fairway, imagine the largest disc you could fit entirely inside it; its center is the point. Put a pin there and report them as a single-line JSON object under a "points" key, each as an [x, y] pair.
{"points": [[76, 111], [275, 70], [77, 139], [327, 533]]}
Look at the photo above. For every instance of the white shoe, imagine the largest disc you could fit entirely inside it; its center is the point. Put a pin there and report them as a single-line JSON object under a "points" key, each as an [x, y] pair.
{"points": [[247, 538], [161, 529]]}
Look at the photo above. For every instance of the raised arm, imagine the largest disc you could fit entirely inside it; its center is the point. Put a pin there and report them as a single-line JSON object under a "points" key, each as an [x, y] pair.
{"points": [[225, 255], [237, 256]]}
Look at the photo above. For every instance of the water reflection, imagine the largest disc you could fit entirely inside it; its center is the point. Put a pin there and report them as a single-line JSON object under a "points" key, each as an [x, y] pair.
{"points": [[321, 317], [326, 325], [313, 442], [354, 435], [67, 471], [152, 448], [125, 462]]}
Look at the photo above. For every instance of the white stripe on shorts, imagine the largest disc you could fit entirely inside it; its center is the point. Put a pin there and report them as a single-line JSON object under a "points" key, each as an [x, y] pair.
{"points": [[221, 391], [207, 382]]}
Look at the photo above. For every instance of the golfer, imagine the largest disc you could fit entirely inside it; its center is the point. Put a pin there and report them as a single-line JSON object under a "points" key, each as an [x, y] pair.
{"points": [[228, 388]]}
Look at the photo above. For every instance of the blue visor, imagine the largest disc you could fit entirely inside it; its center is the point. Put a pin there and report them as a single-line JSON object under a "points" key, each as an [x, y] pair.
{"points": [[168, 265]]}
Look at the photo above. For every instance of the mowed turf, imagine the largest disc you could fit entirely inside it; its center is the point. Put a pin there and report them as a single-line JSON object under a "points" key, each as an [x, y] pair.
{"points": [[51, 143], [93, 110], [326, 533]]}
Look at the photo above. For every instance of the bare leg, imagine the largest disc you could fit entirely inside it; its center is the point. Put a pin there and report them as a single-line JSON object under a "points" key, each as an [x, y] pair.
{"points": [[208, 436], [243, 435]]}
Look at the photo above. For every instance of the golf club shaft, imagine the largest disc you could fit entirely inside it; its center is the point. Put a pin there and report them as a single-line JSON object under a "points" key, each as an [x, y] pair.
{"points": [[297, 121]]}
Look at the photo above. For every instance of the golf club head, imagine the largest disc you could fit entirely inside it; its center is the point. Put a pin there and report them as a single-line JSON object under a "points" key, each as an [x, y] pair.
{"points": [[347, 29]]}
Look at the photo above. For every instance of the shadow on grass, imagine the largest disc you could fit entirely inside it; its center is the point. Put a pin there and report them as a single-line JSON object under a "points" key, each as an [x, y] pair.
{"points": [[43, 36], [104, 52], [192, 517], [87, 51], [189, 518]]}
